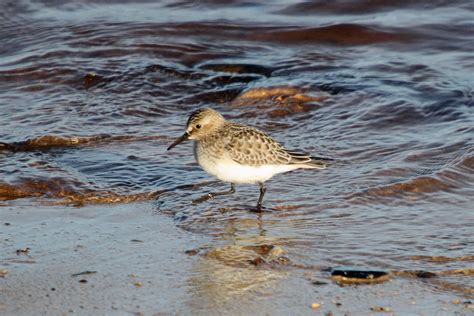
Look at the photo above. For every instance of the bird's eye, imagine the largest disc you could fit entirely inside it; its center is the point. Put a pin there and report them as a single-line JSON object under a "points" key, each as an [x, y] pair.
{"points": [[198, 126]]}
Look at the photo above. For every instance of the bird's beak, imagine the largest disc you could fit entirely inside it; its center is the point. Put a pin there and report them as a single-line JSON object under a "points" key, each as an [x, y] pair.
{"points": [[179, 140]]}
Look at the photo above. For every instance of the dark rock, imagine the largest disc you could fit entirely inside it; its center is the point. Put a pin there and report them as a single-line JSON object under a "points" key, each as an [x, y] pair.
{"points": [[358, 273], [192, 252]]}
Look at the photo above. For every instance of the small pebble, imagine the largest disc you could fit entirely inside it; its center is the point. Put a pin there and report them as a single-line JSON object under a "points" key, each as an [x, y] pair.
{"points": [[380, 309], [315, 305], [336, 303], [192, 252], [138, 284], [25, 251]]}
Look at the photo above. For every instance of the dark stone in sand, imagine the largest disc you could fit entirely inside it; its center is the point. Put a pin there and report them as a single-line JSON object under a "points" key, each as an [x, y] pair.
{"points": [[358, 273], [192, 252]]}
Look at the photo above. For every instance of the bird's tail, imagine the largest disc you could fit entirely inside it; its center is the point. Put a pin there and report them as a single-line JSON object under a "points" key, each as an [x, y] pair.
{"points": [[318, 163], [304, 160]]}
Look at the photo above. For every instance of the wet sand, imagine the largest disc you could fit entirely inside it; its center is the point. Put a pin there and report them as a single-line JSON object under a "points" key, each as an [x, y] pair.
{"points": [[134, 260]]}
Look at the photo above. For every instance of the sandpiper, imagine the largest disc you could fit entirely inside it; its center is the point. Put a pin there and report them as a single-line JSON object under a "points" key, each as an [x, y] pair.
{"points": [[237, 153]]}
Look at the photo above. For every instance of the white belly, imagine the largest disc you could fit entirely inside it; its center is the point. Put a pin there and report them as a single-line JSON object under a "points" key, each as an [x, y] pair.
{"points": [[230, 171]]}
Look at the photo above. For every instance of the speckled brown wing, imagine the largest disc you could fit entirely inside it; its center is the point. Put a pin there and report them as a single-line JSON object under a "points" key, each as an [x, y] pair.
{"points": [[250, 146]]}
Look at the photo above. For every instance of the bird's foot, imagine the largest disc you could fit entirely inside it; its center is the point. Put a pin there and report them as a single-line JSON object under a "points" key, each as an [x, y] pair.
{"points": [[258, 209]]}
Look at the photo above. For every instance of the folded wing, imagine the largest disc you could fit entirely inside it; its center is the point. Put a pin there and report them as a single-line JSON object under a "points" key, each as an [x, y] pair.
{"points": [[250, 146]]}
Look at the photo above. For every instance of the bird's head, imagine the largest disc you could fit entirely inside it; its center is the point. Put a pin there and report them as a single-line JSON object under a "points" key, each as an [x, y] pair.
{"points": [[201, 123]]}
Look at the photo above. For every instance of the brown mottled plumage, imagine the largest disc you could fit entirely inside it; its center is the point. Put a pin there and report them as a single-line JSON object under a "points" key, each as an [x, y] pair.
{"points": [[238, 153]]}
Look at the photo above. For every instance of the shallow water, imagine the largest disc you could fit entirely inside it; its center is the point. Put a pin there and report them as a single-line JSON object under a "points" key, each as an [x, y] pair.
{"points": [[93, 92]]}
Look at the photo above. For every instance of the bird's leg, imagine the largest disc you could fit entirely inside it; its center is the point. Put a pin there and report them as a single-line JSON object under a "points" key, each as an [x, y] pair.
{"points": [[260, 198], [211, 195]]}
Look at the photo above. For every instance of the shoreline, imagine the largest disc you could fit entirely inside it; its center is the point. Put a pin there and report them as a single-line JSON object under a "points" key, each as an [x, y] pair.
{"points": [[136, 261]]}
